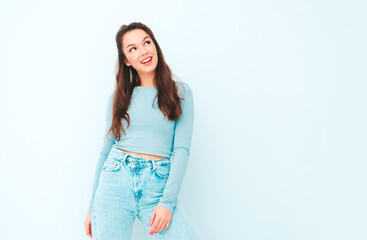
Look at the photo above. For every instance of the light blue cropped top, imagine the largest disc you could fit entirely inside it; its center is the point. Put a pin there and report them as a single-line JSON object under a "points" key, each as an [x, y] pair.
{"points": [[150, 133]]}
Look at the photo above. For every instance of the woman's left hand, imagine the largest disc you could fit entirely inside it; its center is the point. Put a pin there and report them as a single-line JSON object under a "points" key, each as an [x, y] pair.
{"points": [[161, 218]]}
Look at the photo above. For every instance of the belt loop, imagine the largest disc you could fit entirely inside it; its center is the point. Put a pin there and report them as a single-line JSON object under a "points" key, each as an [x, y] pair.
{"points": [[154, 166], [124, 159]]}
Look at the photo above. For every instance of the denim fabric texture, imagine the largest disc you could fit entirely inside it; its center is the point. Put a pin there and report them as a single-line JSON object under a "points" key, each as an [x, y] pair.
{"points": [[131, 187]]}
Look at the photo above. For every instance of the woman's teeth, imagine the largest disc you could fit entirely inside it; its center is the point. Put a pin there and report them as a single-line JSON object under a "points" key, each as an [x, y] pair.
{"points": [[147, 60]]}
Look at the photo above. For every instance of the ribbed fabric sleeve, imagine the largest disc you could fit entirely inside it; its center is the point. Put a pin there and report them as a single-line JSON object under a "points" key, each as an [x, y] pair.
{"points": [[108, 142], [181, 150]]}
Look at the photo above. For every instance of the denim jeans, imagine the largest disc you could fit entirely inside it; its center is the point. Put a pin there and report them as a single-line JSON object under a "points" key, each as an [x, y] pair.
{"points": [[131, 187]]}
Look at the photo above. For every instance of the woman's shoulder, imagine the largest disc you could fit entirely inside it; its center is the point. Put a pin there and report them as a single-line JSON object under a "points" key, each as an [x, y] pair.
{"points": [[183, 88]]}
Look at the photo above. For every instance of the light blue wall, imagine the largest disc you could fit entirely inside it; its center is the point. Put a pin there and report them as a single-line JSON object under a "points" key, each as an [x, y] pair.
{"points": [[279, 143]]}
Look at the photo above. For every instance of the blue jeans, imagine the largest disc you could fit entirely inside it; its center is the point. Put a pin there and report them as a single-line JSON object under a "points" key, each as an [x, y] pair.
{"points": [[131, 187]]}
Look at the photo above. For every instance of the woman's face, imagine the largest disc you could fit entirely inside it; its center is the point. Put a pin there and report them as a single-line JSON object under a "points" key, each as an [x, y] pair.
{"points": [[138, 47]]}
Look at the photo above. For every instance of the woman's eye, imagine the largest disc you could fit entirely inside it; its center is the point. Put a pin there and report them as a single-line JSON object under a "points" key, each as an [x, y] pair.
{"points": [[133, 47]]}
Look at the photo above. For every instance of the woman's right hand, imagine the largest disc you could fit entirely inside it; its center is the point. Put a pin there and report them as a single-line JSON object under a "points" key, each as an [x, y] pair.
{"points": [[87, 225]]}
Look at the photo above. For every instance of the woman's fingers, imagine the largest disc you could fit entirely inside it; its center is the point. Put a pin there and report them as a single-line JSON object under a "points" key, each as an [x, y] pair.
{"points": [[154, 228], [160, 218], [87, 225], [151, 220], [89, 233], [163, 226], [160, 226], [166, 225]]}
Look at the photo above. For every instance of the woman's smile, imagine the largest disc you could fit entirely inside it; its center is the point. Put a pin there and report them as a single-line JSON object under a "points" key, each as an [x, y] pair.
{"points": [[147, 61]]}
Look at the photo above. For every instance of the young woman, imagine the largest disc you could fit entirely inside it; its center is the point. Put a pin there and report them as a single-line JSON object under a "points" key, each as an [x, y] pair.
{"points": [[149, 124]]}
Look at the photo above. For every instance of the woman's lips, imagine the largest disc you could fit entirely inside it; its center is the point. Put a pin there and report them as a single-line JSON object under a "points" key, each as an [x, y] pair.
{"points": [[147, 63]]}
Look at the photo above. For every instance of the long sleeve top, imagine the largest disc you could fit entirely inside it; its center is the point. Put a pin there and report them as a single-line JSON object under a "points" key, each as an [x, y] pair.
{"points": [[150, 132]]}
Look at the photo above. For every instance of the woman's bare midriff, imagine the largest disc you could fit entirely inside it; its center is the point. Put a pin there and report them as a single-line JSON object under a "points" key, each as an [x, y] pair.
{"points": [[143, 155]]}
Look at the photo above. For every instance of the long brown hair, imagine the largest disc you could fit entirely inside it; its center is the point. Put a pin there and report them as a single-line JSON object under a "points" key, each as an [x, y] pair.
{"points": [[167, 90]]}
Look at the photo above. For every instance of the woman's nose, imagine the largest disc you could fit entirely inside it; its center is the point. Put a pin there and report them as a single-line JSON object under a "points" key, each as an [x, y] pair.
{"points": [[144, 52]]}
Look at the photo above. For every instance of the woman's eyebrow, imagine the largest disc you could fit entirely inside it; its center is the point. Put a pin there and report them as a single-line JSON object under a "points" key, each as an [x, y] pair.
{"points": [[134, 43]]}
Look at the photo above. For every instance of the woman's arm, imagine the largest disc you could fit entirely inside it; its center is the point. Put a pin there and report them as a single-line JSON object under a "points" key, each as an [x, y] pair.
{"points": [[106, 148], [181, 150]]}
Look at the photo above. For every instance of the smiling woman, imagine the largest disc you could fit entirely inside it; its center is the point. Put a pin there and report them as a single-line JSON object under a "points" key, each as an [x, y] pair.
{"points": [[142, 164], [141, 55]]}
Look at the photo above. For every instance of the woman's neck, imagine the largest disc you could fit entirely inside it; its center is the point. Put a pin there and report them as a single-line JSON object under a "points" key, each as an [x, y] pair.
{"points": [[147, 80]]}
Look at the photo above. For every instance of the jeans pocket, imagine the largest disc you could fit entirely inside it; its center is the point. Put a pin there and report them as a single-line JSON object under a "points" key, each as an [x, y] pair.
{"points": [[163, 170], [111, 165]]}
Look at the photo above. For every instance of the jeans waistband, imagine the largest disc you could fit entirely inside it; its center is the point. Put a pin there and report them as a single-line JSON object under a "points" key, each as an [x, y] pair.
{"points": [[127, 158]]}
